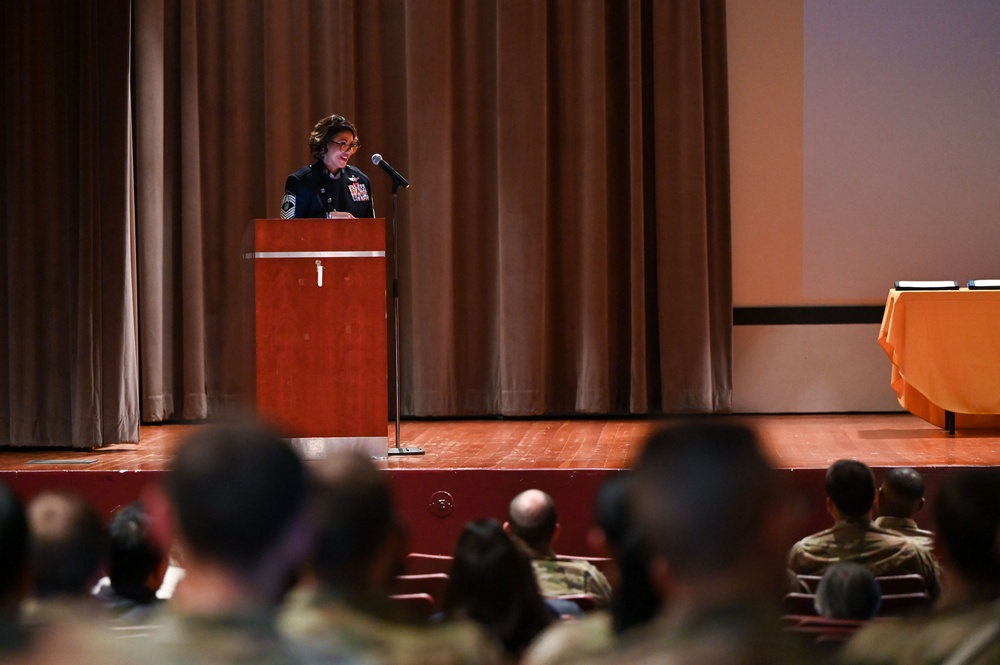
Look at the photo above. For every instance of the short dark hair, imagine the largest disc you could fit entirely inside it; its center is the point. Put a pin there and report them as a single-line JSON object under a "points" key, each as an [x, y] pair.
{"points": [[353, 514], [702, 492], [13, 540], [325, 130], [902, 492], [850, 484], [67, 543], [535, 525], [132, 557], [235, 489], [848, 590], [967, 511]]}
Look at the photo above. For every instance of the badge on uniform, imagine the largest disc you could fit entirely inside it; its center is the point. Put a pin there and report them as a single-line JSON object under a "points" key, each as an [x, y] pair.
{"points": [[358, 191], [288, 206]]}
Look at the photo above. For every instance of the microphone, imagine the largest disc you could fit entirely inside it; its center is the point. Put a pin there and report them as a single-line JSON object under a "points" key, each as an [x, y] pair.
{"points": [[397, 179]]}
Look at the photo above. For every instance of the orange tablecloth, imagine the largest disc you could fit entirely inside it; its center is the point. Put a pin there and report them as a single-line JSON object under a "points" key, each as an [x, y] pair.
{"points": [[945, 353]]}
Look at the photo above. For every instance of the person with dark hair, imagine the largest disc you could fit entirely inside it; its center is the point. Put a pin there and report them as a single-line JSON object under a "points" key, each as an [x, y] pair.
{"points": [[492, 583], [964, 628], [900, 498], [848, 591], [850, 489], [634, 602], [13, 573], [342, 602], [533, 523], [66, 551], [712, 512], [234, 498], [329, 187], [135, 564]]}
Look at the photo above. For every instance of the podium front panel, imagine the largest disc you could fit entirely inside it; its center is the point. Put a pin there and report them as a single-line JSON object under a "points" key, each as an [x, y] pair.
{"points": [[320, 354]]}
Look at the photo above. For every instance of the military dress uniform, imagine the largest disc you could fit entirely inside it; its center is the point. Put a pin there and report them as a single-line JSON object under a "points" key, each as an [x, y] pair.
{"points": [[313, 191]]}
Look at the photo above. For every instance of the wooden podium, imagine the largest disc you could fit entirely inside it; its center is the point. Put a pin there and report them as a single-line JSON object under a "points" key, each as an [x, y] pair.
{"points": [[315, 291]]}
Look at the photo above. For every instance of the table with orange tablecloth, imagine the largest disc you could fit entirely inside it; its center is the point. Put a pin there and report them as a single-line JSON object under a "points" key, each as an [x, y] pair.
{"points": [[945, 353]]}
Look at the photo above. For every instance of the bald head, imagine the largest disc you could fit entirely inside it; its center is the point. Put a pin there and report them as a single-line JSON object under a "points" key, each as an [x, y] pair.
{"points": [[532, 518], [67, 543]]}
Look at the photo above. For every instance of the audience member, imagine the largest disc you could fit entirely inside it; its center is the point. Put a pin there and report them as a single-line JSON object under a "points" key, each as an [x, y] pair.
{"points": [[711, 512], [492, 583], [67, 548], [848, 591], [533, 523], [634, 600], [900, 498], [850, 488], [135, 565], [342, 603], [13, 573], [964, 628], [234, 497]]}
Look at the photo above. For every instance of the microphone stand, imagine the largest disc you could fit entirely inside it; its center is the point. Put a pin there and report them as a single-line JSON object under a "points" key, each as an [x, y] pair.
{"points": [[406, 450]]}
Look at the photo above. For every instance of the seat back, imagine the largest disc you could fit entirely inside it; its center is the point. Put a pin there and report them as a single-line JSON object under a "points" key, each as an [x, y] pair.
{"points": [[432, 584], [584, 601], [602, 563], [896, 584], [896, 604], [808, 583], [417, 605], [419, 563], [803, 604]]}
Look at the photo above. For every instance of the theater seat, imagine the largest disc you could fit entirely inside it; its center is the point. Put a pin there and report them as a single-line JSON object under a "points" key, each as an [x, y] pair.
{"points": [[896, 604], [802, 604], [432, 584], [417, 605], [419, 563], [896, 584]]}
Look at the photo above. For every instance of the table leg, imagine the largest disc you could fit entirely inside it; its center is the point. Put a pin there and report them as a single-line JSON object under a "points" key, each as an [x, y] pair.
{"points": [[949, 421]]}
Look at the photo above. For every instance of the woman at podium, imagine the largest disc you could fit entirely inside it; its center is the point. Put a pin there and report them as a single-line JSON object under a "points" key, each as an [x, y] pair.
{"points": [[329, 187]]}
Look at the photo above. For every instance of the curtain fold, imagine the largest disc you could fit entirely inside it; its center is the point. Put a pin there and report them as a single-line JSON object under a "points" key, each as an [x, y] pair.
{"points": [[67, 301], [564, 248]]}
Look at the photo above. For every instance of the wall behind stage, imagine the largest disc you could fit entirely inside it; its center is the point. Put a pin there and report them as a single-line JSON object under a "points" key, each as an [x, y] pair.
{"points": [[864, 145]]}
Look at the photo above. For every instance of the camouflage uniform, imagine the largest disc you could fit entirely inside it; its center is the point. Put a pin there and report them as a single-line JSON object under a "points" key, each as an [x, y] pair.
{"points": [[250, 637], [733, 635], [883, 552], [908, 528], [930, 639], [569, 577], [569, 641], [323, 623]]}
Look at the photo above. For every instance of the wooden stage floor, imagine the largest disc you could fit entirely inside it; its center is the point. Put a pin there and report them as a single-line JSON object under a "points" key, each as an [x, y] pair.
{"points": [[471, 468], [794, 441]]}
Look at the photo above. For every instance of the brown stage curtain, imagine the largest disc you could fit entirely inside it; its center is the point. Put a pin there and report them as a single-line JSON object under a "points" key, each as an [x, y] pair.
{"points": [[564, 248], [68, 365]]}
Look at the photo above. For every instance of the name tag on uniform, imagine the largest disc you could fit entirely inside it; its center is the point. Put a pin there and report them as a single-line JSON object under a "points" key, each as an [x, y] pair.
{"points": [[358, 191]]}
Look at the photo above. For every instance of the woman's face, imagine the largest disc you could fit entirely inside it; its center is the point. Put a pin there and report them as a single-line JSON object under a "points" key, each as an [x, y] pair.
{"points": [[339, 150]]}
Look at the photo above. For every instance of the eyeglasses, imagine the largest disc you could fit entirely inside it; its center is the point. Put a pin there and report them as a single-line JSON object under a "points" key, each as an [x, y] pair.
{"points": [[344, 146]]}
